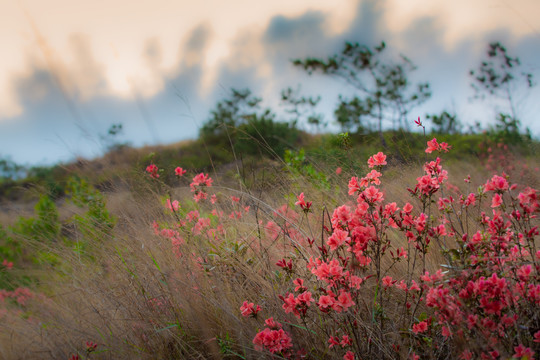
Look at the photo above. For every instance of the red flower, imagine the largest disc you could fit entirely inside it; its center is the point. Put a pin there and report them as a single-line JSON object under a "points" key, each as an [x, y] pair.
{"points": [[179, 171], [152, 170], [90, 346]]}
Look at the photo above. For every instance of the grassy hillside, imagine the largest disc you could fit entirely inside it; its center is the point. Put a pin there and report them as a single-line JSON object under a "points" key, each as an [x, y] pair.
{"points": [[115, 260]]}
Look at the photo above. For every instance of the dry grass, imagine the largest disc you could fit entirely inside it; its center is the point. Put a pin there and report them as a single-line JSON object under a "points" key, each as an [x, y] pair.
{"points": [[136, 299]]}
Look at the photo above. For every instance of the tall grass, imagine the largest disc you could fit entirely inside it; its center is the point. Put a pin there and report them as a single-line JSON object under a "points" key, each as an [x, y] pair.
{"points": [[151, 289]]}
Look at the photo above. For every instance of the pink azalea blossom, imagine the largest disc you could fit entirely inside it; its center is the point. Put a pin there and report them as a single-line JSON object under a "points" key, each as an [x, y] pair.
{"points": [[378, 159]]}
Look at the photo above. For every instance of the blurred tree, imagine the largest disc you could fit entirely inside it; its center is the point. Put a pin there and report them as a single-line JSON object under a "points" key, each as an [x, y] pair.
{"points": [[111, 140], [500, 76], [302, 107], [238, 123], [350, 114], [9, 170], [445, 123], [384, 85], [231, 112]]}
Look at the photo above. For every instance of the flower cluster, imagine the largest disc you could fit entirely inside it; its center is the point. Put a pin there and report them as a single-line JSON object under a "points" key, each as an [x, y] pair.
{"points": [[489, 290], [152, 170], [198, 186], [274, 339]]}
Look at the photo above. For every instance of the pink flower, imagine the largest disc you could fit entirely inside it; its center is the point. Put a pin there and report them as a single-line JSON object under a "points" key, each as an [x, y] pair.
{"points": [[521, 352], [445, 147], [537, 337], [289, 304], [201, 180], [497, 184], [338, 171], [200, 195], [338, 238], [471, 199], [414, 286], [272, 324], [272, 230], [402, 285], [345, 341], [372, 177], [496, 201], [348, 356], [152, 170], [179, 171], [372, 195], [387, 281], [378, 159], [304, 299], [325, 302], [446, 332], [427, 184], [305, 206], [432, 145], [333, 341], [249, 309], [90, 346], [420, 327], [344, 301], [173, 206], [353, 185], [407, 208], [299, 285], [524, 272], [275, 341]]}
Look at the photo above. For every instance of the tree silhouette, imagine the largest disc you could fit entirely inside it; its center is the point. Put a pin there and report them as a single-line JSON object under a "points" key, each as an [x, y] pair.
{"points": [[500, 77], [238, 123], [302, 107], [384, 87]]}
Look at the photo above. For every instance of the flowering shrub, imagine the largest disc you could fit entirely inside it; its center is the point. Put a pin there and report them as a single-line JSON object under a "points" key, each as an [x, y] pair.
{"points": [[450, 274], [488, 288]]}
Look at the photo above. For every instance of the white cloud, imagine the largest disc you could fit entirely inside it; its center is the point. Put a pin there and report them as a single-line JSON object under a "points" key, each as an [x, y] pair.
{"points": [[465, 19], [98, 47]]}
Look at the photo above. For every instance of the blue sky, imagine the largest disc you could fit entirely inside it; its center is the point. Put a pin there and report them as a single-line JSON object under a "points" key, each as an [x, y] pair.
{"points": [[69, 70]]}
